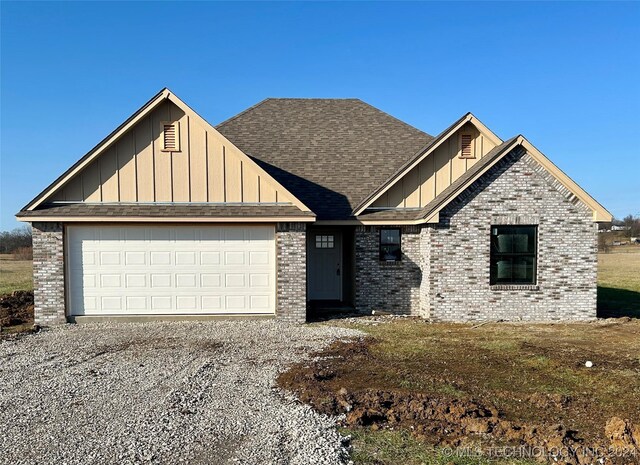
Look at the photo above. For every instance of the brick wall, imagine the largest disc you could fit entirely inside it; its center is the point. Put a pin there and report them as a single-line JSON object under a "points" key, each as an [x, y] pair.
{"points": [[48, 273], [515, 191], [388, 286], [291, 293]]}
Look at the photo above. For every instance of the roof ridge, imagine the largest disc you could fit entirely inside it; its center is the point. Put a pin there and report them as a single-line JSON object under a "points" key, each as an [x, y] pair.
{"points": [[246, 110], [397, 119], [314, 98]]}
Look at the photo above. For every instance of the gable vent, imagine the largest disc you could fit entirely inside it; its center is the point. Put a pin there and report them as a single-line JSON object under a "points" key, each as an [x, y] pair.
{"points": [[467, 146], [171, 136]]}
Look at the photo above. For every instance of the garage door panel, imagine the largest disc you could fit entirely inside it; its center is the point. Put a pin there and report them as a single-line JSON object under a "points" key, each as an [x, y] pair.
{"points": [[136, 303], [109, 258], [185, 280], [210, 258], [171, 269], [136, 280], [135, 258], [210, 280], [185, 258], [234, 258], [259, 280], [212, 303]]}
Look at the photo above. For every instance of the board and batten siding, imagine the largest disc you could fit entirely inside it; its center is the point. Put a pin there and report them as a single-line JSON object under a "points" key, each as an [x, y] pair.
{"points": [[206, 169], [436, 172]]}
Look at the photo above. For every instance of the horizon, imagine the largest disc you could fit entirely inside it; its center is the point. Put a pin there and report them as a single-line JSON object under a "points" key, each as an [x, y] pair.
{"points": [[70, 75]]}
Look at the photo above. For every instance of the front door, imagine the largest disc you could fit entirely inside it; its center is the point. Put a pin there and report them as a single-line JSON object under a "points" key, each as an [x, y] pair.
{"points": [[325, 265]]}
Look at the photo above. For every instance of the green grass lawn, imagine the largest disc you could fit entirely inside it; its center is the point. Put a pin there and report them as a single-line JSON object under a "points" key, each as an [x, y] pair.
{"points": [[15, 275], [619, 282], [384, 447]]}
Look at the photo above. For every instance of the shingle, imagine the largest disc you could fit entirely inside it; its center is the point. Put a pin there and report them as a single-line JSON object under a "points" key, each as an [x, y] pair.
{"points": [[390, 215], [329, 153], [166, 210]]}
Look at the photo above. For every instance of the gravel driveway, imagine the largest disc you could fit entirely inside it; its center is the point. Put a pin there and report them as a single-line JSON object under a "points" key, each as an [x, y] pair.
{"points": [[185, 392]]}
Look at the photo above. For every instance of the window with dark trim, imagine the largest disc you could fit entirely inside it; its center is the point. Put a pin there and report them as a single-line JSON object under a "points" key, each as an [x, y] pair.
{"points": [[514, 251], [390, 250]]}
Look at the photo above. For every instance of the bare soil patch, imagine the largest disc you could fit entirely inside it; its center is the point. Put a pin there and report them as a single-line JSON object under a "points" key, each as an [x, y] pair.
{"points": [[16, 309], [455, 385]]}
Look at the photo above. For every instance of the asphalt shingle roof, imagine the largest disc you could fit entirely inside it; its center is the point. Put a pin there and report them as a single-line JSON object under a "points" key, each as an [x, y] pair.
{"points": [[165, 210], [329, 153]]}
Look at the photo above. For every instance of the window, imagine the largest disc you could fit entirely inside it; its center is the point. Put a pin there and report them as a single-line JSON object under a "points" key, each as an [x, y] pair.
{"points": [[324, 242], [170, 136], [513, 254], [466, 144], [390, 245]]}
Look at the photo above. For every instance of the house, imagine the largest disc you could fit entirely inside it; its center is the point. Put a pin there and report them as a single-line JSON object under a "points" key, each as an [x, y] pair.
{"points": [[298, 200]]}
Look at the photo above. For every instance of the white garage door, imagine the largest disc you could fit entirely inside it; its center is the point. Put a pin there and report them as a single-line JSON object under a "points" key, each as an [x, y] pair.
{"points": [[136, 270]]}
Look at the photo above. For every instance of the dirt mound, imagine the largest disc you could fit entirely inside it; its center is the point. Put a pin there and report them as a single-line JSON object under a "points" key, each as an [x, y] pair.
{"points": [[623, 434], [449, 421], [16, 308]]}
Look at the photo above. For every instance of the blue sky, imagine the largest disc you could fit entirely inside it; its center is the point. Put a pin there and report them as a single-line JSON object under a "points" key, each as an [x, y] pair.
{"points": [[566, 75]]}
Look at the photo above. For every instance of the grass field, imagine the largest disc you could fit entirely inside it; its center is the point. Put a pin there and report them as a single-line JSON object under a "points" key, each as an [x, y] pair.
{"points": [[15, 274], [619, 282]]}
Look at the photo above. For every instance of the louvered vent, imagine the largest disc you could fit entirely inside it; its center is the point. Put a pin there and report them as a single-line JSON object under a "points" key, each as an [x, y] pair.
{"points": [[467, 147], [171, 136]]}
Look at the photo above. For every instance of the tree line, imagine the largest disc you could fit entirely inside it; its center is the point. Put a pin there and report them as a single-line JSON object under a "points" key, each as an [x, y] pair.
{"points": [[19, 238]]}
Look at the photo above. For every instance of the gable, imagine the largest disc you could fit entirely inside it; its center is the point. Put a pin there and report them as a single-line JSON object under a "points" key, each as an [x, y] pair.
{"points": [[437, 171], [443, 170], [135, 168]]}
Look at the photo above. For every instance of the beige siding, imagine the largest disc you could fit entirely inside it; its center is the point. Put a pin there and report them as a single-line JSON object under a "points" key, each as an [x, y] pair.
{"points": [[206, 169], [127, 169], [436, 172], [198, 162], [145, 156]]}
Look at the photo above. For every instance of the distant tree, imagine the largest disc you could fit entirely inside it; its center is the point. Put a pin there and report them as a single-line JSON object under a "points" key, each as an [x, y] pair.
{"points": [[632, 225], [10, 241], [603, 246], [628, 221]]}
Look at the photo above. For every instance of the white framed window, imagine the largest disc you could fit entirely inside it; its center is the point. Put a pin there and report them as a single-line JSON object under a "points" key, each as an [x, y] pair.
{"points": [[325, 241], [170, 136]]}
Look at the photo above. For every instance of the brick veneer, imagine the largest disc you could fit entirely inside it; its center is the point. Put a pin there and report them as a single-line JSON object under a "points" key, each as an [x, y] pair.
{"points": [[291, 292], [444, 272], [388, 286], [48, 273], [515, 191]]}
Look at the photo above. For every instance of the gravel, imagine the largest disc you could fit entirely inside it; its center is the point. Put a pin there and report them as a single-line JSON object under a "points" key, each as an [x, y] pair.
{"points": [[179, 392]]}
